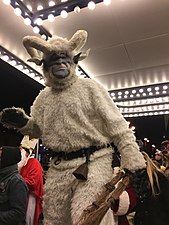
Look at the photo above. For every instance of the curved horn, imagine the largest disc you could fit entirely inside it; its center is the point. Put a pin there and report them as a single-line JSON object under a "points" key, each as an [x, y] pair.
{"points": [[78, 40], [32, 44]]}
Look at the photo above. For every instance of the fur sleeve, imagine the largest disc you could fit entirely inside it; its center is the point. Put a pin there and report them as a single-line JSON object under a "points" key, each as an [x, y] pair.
{"points": [[32, 128], [116, 128]]}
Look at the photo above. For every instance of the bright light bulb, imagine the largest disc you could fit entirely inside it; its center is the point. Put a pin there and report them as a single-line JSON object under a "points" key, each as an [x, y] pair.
{"points": [[91, 5], [13, 62], [5, 57], [51, 3], [40, 7], [26, 71], [36, 30], [27, 21], [107, 2], [20, 67], [39, 21], [7, 2], [77, 9], [64, 14], [51, 17], [17, 11], [43, 37], [29, 7]]}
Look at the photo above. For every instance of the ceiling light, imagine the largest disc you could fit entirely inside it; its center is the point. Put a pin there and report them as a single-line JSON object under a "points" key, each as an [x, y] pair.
{"points": [[17, 11], [27, 21], [77, 9], [20, 67], [64, 14], [39, 21], [64, 0], [165, 87], [156, 88], [40, 7], [91, 5], [13, 63], [148, 89], [107, 2], [43, 37], [36, 30], [29, 7], [51, 3], [51, 17], [26, 71], [5, 57], [7, 2]]}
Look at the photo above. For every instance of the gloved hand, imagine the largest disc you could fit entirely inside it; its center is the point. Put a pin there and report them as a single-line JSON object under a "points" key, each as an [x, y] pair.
{"points": [[141, 184], [13, 117]]}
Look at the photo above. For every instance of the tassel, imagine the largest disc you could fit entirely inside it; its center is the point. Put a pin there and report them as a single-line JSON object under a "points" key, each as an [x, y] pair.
{"points": [[82, 171]]}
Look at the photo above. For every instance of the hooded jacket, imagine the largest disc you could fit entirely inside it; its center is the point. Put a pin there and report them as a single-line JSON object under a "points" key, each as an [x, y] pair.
{"points": [[13, 190]]}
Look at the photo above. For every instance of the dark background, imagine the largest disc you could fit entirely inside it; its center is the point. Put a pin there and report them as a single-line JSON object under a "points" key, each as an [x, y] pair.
{"points": [[17, 89]]}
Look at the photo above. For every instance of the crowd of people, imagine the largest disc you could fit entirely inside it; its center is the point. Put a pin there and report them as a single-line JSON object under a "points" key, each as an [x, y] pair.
{"points": [[144, 201]]}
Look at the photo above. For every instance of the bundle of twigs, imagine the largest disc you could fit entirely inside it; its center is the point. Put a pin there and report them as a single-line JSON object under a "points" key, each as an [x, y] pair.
{"points": [[94, 213]]}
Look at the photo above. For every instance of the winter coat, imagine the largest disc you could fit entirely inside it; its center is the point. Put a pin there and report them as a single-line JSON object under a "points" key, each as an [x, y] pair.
{"points": [[154, 210], [13, 197]]}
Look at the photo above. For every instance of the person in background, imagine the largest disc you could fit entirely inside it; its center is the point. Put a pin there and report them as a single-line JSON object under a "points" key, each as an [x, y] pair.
{"points": [[31, 172], [158, 159], [13, 189], [165, 152], [153, 198]]}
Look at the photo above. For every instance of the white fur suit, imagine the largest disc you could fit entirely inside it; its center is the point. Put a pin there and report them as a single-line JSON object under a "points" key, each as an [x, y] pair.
{"points": [[73, 113]]}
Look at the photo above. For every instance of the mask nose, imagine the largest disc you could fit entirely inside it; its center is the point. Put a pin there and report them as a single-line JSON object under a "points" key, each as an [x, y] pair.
{"points": [[59, 61]]}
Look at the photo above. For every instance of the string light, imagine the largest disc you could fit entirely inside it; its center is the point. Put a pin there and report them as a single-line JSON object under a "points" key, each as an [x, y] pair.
{"points": [[27, 21], [17, 11], [64, 14], [51, 17], [36, 30], [7, 2], [107, 2], [77, 9], [51, 3], [39, 21], [91, 5]]}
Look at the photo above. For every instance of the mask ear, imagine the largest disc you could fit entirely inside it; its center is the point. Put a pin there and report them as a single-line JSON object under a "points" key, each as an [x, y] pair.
{"points": [[78, 40], [83, 55], [76, 58]]}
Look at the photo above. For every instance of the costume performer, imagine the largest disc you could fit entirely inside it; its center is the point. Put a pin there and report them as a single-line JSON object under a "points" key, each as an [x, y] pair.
{"points": [[33, 176], [77, 120]]}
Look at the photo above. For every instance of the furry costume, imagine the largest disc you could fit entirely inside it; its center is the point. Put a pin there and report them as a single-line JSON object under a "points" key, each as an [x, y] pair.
{"points": [[70, 114]]}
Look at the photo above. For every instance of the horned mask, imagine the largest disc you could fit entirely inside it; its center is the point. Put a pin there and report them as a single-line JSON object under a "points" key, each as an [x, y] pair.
{"points": [[39, 49]]}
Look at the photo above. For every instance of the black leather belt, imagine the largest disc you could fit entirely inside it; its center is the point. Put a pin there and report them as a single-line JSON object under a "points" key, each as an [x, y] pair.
{"points": [[79, 153]]}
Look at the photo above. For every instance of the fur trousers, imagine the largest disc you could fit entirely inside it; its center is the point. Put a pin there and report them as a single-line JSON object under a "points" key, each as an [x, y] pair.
{"points": [[66, 197]]}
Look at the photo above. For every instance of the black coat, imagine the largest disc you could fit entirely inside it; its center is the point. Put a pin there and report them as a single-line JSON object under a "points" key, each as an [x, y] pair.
{"points": [[154, 210], [13, 197]]}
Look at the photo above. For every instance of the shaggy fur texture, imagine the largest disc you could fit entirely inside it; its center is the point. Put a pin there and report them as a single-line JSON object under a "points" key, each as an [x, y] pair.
{"points": [[70, 114], [80, 116]]}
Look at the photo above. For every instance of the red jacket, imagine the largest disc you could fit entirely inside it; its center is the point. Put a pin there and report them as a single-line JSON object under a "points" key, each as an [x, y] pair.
{"points": [[32, 174]]}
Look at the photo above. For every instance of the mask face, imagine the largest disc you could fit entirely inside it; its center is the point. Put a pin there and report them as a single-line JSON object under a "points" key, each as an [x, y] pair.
{"points": [[59, 64]]}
